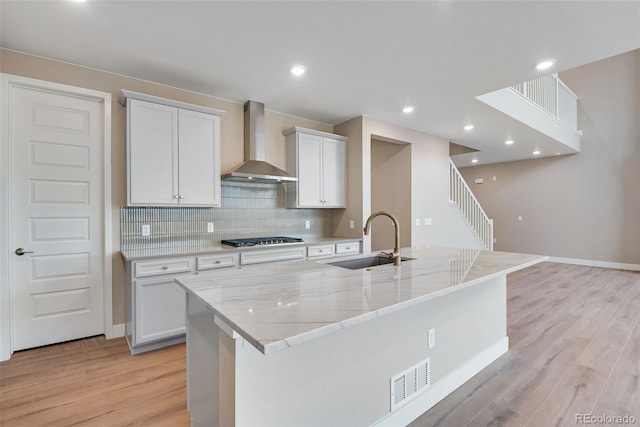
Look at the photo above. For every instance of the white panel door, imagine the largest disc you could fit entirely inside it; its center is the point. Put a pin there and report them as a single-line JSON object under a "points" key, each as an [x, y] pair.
{"points": [[56, 217], [334, 169], [309, 173], [152, 153], [199, 158]]}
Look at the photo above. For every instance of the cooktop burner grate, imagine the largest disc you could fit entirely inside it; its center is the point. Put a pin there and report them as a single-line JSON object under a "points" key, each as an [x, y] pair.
{"points": [[257, 241]]}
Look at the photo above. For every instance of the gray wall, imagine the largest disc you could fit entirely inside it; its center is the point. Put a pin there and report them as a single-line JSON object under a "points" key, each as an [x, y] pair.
{"points": [[584, 206]]}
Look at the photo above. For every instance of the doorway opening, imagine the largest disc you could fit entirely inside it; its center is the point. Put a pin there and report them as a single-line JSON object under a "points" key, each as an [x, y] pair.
{"points": [[390, 191]]}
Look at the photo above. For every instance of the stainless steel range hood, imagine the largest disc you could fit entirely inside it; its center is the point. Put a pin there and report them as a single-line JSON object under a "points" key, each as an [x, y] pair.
{"points": [[255, 168]]}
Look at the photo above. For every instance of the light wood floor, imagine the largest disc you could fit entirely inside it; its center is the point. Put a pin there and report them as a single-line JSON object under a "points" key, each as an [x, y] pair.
{"points": [[574, 348]]}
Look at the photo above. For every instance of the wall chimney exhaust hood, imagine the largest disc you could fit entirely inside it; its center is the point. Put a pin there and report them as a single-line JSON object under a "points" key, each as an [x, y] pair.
{"points": [[255, 168]]}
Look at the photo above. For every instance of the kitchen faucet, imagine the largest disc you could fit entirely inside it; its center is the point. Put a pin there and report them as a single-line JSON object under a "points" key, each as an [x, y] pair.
{"points": [[395, 255]]}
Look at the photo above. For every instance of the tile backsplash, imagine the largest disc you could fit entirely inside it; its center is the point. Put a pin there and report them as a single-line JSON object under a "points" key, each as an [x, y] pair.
{"points": [[248, 210]]}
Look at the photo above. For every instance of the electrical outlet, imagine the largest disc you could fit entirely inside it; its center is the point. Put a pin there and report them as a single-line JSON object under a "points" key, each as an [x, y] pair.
{"points": [[146, 230], [432, 338], [428, 221], [307, 224], [352, 224], [209, 227], [519, 217]]}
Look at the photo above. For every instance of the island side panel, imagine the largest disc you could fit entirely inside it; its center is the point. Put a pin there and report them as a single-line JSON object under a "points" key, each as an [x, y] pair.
{"points": [[344, 378], [210, 369]]}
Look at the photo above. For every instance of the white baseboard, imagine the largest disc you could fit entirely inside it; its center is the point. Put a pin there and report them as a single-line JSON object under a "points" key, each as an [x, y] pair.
{"points": [[593, 263], [117, 331], [445, 386]]}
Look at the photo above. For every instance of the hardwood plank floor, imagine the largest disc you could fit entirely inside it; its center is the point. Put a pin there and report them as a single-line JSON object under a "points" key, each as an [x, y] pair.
{"points": [[574, 349], [93, 382]]}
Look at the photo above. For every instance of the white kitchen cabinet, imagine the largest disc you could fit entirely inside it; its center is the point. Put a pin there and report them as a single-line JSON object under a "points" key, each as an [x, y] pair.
{"points": [[173, 152], [321, 251], [155, 303], [319, 160], [160, 309]]}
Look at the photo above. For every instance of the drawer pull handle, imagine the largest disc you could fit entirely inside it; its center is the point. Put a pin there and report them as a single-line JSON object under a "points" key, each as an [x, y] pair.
{"points": [[217, 261], [164, 267]]}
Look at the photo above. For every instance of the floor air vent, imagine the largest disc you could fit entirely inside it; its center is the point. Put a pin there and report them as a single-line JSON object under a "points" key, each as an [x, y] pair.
{"points": [[409, 383]]}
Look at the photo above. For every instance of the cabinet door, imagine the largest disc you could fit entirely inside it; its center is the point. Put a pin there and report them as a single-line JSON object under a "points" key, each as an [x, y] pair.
{"points": [[334, 173], [152, 160], [159, 309], [199, 154], [309, 170]]}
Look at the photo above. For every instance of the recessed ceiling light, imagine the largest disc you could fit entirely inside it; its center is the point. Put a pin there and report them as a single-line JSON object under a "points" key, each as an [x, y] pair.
{"points": [[547, 63], [468, 127], [509, 141], [535, 153], [474, 161], [408, 109], [298, 70]]}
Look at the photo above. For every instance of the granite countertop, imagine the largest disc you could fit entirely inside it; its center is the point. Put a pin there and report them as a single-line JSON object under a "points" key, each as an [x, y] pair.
{"points": [[278, 305], [199, 249]]}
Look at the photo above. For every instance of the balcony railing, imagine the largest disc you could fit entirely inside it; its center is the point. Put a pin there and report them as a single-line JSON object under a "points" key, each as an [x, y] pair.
{"points": [[553, 96]]}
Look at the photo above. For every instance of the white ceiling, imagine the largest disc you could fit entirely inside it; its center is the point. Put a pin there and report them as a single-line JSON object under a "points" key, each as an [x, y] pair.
{"points": [[363, 58]]}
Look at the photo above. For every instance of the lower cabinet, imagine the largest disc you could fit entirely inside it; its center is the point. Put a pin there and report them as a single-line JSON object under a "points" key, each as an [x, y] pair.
{"points": [[155, 303], [160, 309]]}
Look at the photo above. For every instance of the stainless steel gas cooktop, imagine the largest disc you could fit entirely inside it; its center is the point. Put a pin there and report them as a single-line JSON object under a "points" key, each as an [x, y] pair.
{"points": [[259, 241]]}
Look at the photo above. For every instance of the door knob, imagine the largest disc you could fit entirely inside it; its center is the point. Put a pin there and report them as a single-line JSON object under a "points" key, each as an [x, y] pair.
{"points": [[21, 251]]}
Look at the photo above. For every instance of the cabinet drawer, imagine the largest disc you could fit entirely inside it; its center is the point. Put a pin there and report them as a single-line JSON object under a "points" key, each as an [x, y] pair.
{"points": [[323, 250], [164, 266], [217, 261], [269, 255], [347, 248]]}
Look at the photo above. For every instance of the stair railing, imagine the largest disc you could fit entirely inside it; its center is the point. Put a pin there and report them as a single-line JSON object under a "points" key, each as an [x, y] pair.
{"points": [[462, 197], [552, 96]]}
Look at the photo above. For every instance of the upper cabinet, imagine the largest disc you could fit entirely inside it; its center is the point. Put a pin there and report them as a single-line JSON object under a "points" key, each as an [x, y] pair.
{"points": [[173, 152], [319, 160]]}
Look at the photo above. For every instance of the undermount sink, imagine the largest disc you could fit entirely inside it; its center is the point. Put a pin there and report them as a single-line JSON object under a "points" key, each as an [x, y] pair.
{"points": [[372, 261]]}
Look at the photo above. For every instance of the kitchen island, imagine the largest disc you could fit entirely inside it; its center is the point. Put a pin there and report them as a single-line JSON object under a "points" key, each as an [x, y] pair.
{"points": [[310, 343]]}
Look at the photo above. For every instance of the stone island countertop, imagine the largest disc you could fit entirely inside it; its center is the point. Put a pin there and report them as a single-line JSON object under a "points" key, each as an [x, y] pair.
{"points": [[278, 305]]}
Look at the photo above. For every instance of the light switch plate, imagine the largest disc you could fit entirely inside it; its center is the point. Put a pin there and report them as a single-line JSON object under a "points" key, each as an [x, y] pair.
{"points": [[307, 224], [209, 227], [146, 230], [417, 221], [428, 221]]}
